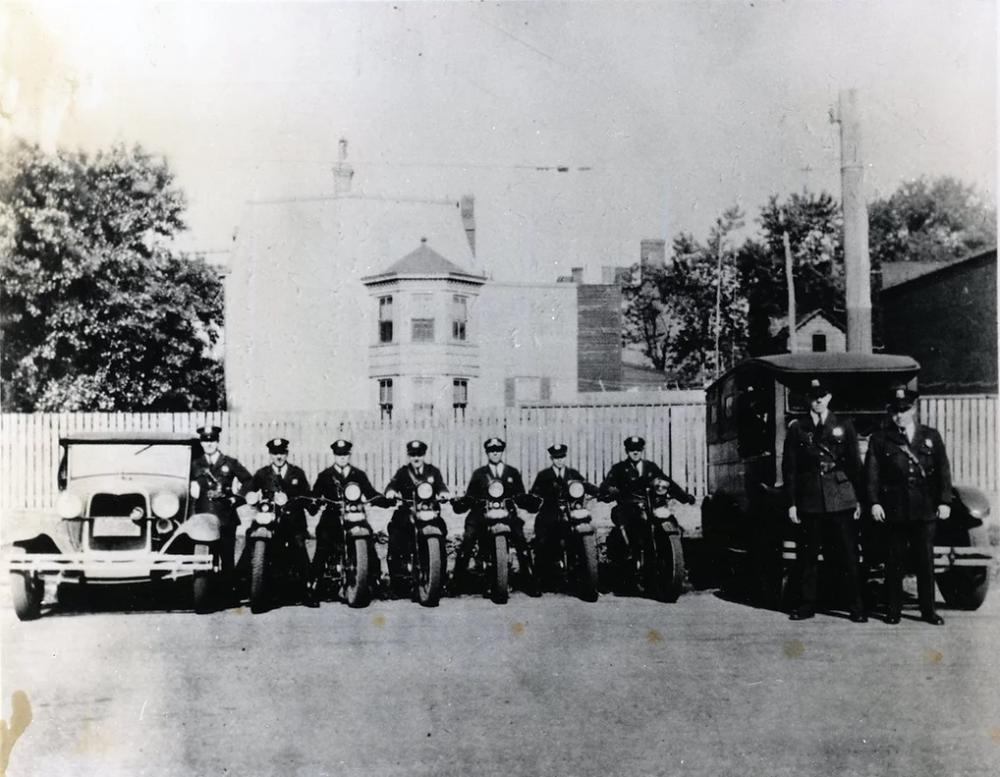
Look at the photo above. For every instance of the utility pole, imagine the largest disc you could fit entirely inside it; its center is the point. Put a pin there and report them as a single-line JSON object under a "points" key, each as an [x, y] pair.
{"points": [[718, 306], [790, 280], [857, 262]]}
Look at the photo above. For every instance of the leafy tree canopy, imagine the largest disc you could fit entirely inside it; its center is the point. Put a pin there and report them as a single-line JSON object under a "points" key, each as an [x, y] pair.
{"points": [[98, 312]]}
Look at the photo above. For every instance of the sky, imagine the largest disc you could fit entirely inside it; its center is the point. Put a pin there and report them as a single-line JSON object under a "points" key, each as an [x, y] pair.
{"points": [[665, 113]]}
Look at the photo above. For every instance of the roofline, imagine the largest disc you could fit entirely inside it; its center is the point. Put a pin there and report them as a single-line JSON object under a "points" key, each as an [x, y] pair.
{"points": [[813, 363], [981, 256], [470, 278], [151, 438]]}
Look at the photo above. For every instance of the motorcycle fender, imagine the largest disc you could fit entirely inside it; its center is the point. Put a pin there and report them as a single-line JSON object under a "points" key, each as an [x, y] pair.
{"points": [[583, 528], [430, 531], [497, 515], [358, 531], [669, 527], [497, 529], [260, 533], [202, 527], [426, 515]]}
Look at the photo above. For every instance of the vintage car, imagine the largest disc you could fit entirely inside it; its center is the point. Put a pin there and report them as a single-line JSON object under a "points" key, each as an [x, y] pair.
{"points": [[744, 515], [123, 515]]}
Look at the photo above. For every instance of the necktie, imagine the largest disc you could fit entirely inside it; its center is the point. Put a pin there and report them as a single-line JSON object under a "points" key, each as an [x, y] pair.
{"points": [[496, 470]]}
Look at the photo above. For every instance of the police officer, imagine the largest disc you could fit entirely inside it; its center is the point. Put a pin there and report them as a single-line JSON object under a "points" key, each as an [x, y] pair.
{"points": [[404, 486], [475, 521], [626, 480], [821, 468], [216, 480], [908, 481], [281, 477], [550, 487], [330, 485]]}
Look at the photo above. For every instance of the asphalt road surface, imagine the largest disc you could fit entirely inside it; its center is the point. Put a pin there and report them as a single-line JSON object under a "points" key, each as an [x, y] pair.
{"points": [[549, 686]]}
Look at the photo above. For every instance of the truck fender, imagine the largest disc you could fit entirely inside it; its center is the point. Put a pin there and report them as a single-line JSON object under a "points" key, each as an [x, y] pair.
{"points": [[202, 527]]}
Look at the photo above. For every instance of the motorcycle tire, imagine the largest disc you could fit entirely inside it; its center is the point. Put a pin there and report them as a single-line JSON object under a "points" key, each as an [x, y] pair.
{"points": [[428, 570], [357, 574], [587, 569], [501, 566], [258, 575], [669, 568], [201, 583]]}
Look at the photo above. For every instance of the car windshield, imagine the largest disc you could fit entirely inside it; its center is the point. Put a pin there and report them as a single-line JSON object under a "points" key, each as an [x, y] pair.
{"points": [[90, 459]]}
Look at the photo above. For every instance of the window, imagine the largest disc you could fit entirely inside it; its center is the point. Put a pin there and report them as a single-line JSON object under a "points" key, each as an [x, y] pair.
{"points": [[423, 395], [819, 342], [459, 316], [423, 330], [460, 392], [385, 321], [385, 392]]}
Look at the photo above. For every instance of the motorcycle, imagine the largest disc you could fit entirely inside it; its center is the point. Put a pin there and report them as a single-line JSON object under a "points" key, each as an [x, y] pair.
{"points": [[578, 541], [656, 559], [426, 552], [499, 513], [352, 568], [262, 543]]}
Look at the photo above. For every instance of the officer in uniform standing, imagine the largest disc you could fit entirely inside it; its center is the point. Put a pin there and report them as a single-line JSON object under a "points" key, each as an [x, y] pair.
{"points": [[404, 486], [908, 480], [281, 477], [216, 480], [475, 521], [330, 485], [550, 487], [821, 469]]}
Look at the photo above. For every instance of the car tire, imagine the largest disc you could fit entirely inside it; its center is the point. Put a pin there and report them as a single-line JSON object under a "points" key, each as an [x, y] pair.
{"points": [[26, 590]]}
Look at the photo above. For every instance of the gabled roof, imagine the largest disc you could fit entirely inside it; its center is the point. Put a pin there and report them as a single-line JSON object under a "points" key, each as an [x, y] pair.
{"points": [[424, 262], [801, 321]]}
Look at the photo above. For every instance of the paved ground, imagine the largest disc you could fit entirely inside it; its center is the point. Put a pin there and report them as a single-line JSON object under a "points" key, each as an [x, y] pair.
{"points": [[549, 686]]}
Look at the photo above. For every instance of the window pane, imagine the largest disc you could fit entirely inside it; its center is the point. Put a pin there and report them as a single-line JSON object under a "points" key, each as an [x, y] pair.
{"points": [[385, 331], [423, 330], [460, 392]]}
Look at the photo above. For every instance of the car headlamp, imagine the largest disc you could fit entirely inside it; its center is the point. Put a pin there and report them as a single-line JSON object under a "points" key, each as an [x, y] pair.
{"points": [[69, 505], [164, 504], [425, 491]]}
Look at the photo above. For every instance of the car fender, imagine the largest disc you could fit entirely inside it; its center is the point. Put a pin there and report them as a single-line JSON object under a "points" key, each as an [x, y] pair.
{"points": [[39, 531], [201, 527], [974, 502]]}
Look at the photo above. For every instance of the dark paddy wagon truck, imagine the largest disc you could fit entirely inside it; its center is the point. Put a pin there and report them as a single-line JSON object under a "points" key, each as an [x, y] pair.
{"points": [[744, 516]]}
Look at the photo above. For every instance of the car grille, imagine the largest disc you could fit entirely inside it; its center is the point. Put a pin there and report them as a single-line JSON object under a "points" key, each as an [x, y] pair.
{"points": [[128, 535]]}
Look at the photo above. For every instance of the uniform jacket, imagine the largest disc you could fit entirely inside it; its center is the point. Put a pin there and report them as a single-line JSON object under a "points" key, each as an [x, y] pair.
{"points": [[821, 467], [482, 477], [330, 483], [405, 480], [293, 482], [218, 478], [624, 476], [550, 487], [908, 479]]}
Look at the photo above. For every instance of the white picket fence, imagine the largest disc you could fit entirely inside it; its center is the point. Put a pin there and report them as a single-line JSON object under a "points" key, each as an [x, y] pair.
{"points": [[675, 435]]}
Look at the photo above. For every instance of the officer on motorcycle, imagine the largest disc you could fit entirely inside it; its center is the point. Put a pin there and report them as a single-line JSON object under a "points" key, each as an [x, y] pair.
{"points": [[626, 480], [404, 486], [330, 485], [216, 480], [475, 521], [550, 486], [280, 476]]}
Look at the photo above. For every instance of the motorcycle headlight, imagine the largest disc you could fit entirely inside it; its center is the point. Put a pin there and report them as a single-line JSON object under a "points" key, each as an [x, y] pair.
{"points": [[253, 497], [264, 518], [353, 492], [69, 505], [495, 489], [575, 489], [425, 491], [165, 504], [660, 486], [281, 499], [194, 489]]}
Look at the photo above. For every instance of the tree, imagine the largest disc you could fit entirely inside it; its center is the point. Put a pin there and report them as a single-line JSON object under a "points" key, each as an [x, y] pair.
{"points": [[930, 220], [98, 312]]}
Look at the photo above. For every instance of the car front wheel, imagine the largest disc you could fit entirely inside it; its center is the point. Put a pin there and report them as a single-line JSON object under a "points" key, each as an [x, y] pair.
{"points": [[26, 591]]}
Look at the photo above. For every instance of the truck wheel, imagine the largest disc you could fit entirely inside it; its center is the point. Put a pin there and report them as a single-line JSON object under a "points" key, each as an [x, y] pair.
{"points": [[202, 583], [501, 566], [588, 568], [357, 587], [429, 568], [258, 572], [26, 590]]}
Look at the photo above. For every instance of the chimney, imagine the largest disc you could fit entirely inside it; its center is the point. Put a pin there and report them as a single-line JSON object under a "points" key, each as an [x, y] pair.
{"points": [[577, 275], [342, 171], [468, 208], [652, 253]]}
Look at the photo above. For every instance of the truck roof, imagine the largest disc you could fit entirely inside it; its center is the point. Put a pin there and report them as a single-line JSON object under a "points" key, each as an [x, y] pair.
{"points": [[130, 438], [786, 364]]}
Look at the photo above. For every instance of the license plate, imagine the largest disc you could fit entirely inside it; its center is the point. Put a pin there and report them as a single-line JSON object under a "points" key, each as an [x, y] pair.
{"points": [[116, 527]]}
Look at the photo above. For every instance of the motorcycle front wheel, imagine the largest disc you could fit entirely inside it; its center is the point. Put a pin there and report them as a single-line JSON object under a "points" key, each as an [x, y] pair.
{"points": [[500, 589], [669, 567], [587, 568], [357, 575], [428, 571], [258, 572]]}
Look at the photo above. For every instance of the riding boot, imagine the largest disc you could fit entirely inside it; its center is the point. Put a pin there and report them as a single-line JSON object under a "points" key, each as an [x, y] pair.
{"points": [[459, 574]]}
